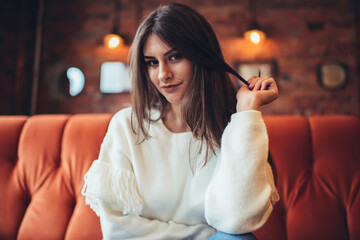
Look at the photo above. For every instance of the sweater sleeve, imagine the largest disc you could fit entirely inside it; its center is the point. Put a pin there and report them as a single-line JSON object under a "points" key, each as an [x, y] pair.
{"points": [[110, 178], [241, 195]]}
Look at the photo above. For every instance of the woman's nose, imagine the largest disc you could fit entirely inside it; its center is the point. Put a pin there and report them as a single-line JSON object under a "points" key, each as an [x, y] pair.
{"points": [[165, 73]]}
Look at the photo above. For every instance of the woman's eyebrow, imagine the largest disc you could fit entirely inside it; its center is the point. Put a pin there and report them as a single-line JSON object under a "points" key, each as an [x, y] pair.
{"points": [[169, 52], [148, 57], [165, 54]]}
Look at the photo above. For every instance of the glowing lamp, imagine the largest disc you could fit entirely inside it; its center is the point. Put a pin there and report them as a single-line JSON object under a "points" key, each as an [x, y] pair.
{"points": [[254, 34], [113, 40]]}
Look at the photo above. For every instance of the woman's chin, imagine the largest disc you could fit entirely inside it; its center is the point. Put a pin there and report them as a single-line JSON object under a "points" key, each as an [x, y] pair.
{"points": [[173, 100]]}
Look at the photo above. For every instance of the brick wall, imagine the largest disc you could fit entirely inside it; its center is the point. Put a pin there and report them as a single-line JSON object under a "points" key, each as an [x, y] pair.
{"points": [[301, 35]]}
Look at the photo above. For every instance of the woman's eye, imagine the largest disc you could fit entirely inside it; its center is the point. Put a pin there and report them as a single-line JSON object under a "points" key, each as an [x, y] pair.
{"points": [[151, 63], [175, 56]]}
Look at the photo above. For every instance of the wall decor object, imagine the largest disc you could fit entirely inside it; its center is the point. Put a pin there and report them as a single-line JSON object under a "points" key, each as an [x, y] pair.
{"points": [[332, 75], [247, 69], [115, 77], [71, 82]]}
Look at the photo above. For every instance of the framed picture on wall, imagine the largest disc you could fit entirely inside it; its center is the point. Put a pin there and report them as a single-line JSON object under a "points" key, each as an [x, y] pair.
{"points": [[247, 69], [332, 75], [115, 78]]}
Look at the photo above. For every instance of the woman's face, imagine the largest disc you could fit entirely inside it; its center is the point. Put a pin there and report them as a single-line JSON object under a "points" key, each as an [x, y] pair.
{"points": [[168, 70]]}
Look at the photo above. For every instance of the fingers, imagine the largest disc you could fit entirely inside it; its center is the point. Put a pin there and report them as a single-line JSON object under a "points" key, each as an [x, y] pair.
{"points": [[254, 82], [261, 83], [264, 84], [251, 80], [268, 84], [264, 88]]}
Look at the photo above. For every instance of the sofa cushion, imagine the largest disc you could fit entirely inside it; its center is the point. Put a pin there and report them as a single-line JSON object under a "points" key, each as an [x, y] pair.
{"points": [[318, 165], [46, 169]]}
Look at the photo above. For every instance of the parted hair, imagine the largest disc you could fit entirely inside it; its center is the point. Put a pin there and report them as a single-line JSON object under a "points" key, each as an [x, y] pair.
{"points": [[210, 99]]}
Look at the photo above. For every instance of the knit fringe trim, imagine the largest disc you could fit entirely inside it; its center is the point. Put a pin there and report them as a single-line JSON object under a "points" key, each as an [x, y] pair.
{"points": [[115, 186]]}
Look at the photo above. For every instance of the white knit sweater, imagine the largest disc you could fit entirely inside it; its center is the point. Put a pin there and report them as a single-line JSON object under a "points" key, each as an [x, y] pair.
{"points": [[148, 190]]}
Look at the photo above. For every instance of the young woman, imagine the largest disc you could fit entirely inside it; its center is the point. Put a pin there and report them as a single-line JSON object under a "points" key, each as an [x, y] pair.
{"points": [[189, 159]]}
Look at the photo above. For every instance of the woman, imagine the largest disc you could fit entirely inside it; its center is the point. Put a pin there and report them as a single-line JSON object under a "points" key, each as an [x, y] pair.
{"points": [[189, 159]]}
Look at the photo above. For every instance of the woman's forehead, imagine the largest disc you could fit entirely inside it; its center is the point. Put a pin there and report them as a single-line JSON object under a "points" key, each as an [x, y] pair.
{"points": [[154, 45]]}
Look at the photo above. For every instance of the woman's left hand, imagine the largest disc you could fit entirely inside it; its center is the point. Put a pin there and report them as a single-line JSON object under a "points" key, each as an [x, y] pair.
{"points": [[261, 91]]}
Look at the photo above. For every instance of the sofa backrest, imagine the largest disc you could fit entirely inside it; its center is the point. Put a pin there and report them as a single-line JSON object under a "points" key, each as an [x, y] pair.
{"points": [[42, 163], [43, 160], [318, 165]]}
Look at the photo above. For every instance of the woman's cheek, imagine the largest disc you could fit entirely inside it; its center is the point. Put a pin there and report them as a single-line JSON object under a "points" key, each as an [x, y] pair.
{"points": [[153, 77]]}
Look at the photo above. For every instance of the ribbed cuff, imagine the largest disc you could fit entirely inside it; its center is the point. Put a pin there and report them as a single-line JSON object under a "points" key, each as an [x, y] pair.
{"points": [[247, 116]]}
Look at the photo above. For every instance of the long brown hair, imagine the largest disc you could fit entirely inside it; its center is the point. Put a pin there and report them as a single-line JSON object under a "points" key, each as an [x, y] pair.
{"points": [[210, 99]]}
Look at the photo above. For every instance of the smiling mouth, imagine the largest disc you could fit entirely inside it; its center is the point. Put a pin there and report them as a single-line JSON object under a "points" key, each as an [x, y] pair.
{"points": [[171, 86]]}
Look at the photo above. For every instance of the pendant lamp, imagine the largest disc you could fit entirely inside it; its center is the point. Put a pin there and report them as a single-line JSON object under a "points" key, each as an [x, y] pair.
{"points": [[113, 39], [254, 32]]}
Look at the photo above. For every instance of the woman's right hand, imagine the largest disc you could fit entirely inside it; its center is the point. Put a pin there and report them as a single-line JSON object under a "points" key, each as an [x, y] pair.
{"points": [[261, 91]]}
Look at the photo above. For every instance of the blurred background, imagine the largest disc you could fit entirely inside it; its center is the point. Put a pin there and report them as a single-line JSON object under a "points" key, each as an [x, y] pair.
{"points": [[54, 57]]}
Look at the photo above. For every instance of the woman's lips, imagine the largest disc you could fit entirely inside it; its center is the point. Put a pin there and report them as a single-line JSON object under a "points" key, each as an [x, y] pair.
{"points": [[170, 88]]}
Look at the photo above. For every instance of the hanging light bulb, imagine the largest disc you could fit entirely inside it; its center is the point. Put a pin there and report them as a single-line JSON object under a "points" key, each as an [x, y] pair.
{"points": [[254, 33], [113, 39]]}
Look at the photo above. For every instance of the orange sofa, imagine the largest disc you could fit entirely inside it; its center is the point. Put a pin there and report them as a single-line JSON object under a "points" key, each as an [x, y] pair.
{"points": [[43, 159]]}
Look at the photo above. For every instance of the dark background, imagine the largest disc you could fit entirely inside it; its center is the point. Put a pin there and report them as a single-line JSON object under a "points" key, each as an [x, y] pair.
{"points": [[301, 35]]}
